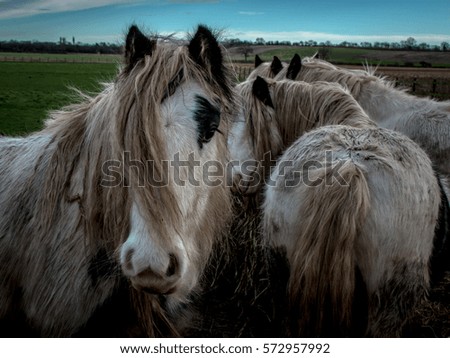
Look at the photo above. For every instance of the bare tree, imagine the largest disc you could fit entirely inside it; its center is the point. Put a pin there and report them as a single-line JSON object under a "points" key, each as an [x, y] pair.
{"points": [[245, 50]]}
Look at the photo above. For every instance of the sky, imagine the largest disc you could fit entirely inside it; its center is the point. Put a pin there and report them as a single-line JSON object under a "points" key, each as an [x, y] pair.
{"points": [[91, 21]]}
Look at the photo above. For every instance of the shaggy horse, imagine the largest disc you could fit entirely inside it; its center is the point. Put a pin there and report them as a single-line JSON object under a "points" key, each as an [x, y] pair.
{"points": [[274, 114], [103, 194], [266, 69], [356, 210], [424, 120]]}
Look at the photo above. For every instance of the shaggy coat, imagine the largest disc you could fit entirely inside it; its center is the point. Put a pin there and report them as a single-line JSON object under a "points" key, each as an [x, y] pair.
{"points": [[358, 228], [88, 208]]}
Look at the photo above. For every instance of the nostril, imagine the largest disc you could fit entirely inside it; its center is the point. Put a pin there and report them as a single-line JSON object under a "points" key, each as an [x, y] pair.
{"points": [[173, 266]]}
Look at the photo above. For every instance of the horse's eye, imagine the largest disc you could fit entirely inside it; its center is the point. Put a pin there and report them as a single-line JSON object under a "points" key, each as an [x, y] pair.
{"points": [[208, 135], [207, 117]]}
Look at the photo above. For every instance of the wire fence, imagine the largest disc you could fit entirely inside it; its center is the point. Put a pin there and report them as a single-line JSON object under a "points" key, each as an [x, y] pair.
{"points": [[437, 88], [432, 86]]}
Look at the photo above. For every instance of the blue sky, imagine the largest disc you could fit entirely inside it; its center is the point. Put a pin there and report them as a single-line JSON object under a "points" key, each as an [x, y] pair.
{"points": [[320, 20]]}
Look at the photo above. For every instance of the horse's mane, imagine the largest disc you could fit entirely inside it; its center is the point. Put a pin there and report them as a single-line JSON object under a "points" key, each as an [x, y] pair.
{"points": [[298, 108], [302, 106], [261, 123], [314, 69]]}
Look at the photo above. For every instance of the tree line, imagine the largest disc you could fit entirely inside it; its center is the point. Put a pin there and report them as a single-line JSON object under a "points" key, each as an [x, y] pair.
{"points": [[409, 44], [64, 46]]}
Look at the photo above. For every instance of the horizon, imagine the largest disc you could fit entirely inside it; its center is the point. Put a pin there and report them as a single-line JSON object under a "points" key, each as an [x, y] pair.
{"points": [[95, 21]]}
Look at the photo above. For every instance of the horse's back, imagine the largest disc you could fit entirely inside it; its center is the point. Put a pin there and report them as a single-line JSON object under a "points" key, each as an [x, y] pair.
{"points": [[383, 185]]}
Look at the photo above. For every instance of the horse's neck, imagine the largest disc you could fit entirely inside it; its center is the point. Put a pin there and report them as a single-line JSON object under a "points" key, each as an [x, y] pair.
{"points": [[387, 106]]}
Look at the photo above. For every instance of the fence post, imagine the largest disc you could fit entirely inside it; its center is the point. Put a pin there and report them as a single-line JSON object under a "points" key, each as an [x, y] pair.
{"points": [[434, 85], [414, 84]]}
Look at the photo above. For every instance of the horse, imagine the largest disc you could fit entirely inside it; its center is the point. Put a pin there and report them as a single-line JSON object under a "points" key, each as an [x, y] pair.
{"points": [[273, 114], [103, 198], [424, 120], [266, 69], [356, 211]]}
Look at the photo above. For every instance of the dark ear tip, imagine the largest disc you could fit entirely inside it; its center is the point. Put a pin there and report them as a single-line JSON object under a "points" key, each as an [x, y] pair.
{"points": [[133, 31], [258, 61], [133, 28], [204, 31], [202, 34], [294, 67]]}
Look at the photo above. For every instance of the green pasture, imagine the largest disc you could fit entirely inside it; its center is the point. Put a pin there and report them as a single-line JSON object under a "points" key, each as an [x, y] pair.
{"points": [[56, 57], [29, 90]]}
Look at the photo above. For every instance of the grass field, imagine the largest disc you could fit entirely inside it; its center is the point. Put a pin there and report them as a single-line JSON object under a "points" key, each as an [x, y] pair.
{"points": [[49, 57], [29, 90]]}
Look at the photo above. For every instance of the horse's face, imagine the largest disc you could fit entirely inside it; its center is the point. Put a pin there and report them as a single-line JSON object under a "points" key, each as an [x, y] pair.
{"points": [[252, 135], [166, 253]]}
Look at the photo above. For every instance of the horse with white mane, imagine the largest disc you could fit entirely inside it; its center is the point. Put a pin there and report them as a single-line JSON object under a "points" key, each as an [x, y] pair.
{"points": [[358, 228], [424, 120], [89, 204], [274, 114]]}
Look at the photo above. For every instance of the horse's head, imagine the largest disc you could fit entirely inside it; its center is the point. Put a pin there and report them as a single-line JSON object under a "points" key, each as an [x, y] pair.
{"points": [[313, 69], [254, 138], [172, 128], [266, 69]]}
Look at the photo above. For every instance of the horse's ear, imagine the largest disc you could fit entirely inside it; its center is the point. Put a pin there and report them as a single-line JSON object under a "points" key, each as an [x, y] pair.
{"points": [[294, 67], [204, 49], [260, 89], [137, 45], [258, 61], [276, 65]]}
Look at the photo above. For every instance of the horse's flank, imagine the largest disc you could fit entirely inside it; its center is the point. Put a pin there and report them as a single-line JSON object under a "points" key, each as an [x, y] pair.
{"points": [[387, 228]]}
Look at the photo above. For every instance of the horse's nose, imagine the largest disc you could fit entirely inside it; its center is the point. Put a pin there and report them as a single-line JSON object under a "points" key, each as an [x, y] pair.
{"points": [[159, 276]]}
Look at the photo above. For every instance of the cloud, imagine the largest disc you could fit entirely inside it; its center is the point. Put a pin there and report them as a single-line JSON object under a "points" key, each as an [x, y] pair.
{"points": [[296, 36], [23, 8]]}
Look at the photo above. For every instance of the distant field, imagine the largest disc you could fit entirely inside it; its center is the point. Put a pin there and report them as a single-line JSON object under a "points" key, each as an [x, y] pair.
{"points": [[350, 56], [29, 90], [338, 55]]}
